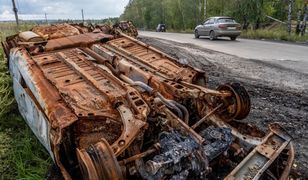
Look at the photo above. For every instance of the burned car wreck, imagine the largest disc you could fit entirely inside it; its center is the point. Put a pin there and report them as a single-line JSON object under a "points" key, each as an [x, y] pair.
{"points": [[108, 106]]}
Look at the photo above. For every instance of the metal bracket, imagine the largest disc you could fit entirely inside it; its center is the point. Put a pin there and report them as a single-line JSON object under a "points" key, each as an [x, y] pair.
{"points": [[262, 156]]}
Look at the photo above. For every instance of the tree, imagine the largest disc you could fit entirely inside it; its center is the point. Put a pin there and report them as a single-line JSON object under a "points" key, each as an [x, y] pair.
{"points": [[290, 6], [186, 14], [303, 30]]}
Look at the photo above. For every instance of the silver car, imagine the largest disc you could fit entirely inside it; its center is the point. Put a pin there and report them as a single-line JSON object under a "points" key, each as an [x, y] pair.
{"points": [[218, 27]]}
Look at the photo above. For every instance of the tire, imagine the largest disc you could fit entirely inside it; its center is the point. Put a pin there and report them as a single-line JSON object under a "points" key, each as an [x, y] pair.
{"points": [[196, 34], [233, 38], [212, 35]]}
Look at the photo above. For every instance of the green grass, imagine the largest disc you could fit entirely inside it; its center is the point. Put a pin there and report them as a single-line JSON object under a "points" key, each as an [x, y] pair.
{"points": [[181, 31], [21, 154], [274, 34]]}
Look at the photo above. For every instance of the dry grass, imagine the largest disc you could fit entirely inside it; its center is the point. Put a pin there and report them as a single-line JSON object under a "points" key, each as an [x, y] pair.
{"points": [[9, 28]]}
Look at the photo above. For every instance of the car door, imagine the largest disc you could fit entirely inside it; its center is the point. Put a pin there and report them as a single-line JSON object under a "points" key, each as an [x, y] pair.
{"points": [[202, 28], [208, 26]]}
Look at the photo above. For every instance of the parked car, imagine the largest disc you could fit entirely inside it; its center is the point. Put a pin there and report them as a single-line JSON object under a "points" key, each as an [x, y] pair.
{"points": [[161, 28], [222, 26]]}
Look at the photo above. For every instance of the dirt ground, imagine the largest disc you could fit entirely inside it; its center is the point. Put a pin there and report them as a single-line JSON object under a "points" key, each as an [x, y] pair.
{"points": [[278, 94]]}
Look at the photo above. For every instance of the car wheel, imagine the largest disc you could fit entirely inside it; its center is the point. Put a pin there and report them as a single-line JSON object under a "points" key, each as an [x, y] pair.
{"points": [[196, 34], [233, 38], [212, 35]]}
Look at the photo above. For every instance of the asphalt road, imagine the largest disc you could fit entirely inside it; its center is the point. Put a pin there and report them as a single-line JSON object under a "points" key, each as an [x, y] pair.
{"points": [[289, 55]]}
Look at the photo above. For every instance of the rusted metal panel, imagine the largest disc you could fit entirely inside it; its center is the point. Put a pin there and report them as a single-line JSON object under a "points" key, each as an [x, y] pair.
{"points": [[157, 61], [48, 97], [82, 40], [79, 94], [33, 115], [29, 36], [260, 159], [56, 31], [107, 106]]}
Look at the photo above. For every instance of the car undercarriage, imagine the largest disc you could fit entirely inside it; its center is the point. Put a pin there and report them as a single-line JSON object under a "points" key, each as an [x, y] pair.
{"points": [[108, 106]]}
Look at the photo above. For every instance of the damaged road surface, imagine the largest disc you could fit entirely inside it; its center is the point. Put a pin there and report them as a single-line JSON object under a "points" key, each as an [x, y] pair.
{"points": [[108, 106]]}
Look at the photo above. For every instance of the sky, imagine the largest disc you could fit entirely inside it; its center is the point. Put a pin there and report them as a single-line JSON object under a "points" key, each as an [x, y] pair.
{"points": [[62, 9]]}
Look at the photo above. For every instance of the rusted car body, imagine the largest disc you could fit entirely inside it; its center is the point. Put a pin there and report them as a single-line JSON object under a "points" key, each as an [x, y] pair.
{"points": [[107, 106]]}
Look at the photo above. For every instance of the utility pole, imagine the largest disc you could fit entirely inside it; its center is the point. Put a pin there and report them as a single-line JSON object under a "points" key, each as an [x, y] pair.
{"points": [[290, 16], [46, 18], [15, 12], [82, 15]]}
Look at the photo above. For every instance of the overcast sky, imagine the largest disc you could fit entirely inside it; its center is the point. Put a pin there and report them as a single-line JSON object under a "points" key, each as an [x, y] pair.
{"points": [[62, 9]]}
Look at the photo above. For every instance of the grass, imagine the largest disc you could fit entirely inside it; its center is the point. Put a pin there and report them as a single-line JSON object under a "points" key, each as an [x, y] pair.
{"points": [[21, 154], [9, 28], [181, 31], [279, 34]]}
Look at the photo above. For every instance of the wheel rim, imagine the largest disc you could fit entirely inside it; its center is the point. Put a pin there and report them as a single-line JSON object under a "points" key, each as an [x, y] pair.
{"points": [[241, 100], [211, 35], [196, 34], [99, 162]]}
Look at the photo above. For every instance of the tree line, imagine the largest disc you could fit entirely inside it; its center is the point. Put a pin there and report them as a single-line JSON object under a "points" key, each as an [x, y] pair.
{"points": [[186, 14]]}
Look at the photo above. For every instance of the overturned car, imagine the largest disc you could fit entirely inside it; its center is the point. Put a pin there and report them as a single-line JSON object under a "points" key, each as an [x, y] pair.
{"points": [[107, 106]]}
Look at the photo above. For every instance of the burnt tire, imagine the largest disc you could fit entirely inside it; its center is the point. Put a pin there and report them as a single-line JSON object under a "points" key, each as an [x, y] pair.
{"points": [[99, 162], [239, 100]]}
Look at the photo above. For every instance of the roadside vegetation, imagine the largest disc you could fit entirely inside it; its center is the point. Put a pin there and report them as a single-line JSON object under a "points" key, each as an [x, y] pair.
{"points": [[274, 33], [21, 154], [256, 17], [278, 35]]}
